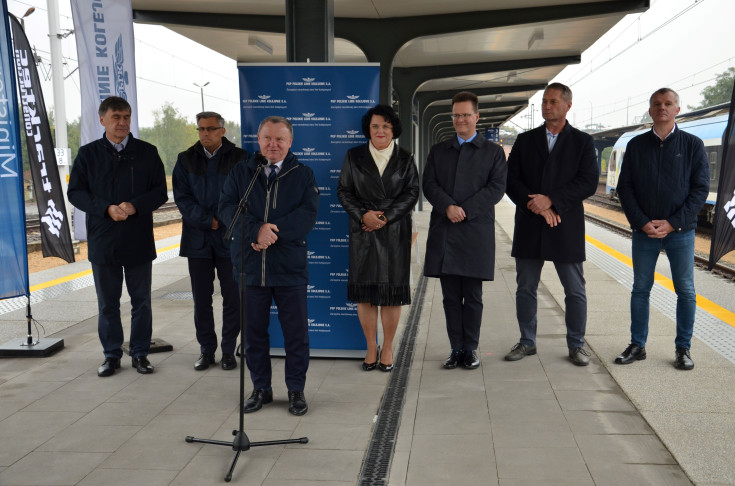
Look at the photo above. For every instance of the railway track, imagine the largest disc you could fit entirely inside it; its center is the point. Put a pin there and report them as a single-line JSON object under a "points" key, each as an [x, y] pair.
{"points": [[33, 225], [701, 261]]}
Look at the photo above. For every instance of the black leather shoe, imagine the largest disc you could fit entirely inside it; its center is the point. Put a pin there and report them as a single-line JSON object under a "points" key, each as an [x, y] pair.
{"points": [[371, 366], [683, 359], [520, 351], [631, 353], [204, 361], [297, 403], [257, 399], [228, 362], [579, 356], [470, 360], [108, 367], [454, 359], [142, 365]]}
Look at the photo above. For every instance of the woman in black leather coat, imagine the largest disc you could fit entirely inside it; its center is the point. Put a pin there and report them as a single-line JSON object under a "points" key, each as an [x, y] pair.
{"points": [[378, 187]]}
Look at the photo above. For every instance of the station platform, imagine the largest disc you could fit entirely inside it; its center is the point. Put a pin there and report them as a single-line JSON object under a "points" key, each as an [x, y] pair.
{"points": [[538, 421]]}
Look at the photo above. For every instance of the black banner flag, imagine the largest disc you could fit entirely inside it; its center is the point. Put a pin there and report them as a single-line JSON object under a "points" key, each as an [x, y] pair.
{"points": [[723, 232], [55, 235]]}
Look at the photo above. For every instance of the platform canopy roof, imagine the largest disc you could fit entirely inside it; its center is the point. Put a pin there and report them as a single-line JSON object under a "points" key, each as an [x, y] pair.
{"points": [[508, 48]]}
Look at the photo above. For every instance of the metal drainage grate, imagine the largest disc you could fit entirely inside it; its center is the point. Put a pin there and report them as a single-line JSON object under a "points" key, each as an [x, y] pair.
{"points": [[715, 333], [376, 468]]}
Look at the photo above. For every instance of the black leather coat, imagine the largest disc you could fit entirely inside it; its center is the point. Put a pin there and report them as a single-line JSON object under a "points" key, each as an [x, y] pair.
{"points": [[379, 260]]}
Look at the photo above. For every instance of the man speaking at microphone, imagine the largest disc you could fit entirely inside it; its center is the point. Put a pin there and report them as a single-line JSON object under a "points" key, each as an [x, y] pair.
{"points": [[282, 210]]}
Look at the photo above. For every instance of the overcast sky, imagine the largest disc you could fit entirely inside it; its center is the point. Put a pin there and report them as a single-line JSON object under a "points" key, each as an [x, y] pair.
{"points": [[678, 43]]}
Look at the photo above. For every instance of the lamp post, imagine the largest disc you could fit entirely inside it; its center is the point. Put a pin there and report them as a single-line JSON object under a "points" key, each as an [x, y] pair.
{"points": [[201, 90], [28, 12]]}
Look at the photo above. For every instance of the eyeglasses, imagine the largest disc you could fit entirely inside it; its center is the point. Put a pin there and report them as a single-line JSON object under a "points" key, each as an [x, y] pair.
{"points": [[208, 129], [461, 116]]}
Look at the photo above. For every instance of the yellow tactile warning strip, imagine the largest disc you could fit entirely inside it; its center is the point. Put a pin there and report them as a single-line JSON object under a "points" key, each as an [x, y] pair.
{"points": [[703, 303]]}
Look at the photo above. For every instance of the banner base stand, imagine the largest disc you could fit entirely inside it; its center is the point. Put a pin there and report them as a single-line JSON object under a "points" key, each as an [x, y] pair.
{"points": [[157, 346], [19, 348]]}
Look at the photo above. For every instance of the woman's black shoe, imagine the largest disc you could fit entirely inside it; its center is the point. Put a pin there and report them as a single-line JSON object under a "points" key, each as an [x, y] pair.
{"points": [[370, 366], [382, 366]]}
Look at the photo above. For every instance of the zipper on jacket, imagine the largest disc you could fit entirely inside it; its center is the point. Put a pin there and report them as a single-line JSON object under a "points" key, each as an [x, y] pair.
{"points": [[265, 216], [132, 181]]}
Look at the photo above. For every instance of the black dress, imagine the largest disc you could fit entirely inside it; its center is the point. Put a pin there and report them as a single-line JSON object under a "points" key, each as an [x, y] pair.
{"points": [[379, 260]]}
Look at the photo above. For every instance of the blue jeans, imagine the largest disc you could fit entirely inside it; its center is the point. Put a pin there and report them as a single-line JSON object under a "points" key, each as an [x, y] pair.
{"points": [[680, 251], [571, 275], [108, 280]]}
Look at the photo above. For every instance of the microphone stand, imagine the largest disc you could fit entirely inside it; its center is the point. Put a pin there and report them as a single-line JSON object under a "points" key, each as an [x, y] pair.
{"points": [[241, 441]]}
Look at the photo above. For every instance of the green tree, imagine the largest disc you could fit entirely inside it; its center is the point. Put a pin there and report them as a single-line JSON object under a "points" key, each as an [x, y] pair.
{"points": [[232, 132], [720, 92], [171, 133]]}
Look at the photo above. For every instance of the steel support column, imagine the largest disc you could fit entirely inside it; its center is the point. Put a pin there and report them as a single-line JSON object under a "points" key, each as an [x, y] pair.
{"points": [[310, 30]]}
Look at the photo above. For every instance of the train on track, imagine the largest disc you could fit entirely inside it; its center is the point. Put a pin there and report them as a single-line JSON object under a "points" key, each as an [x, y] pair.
{"points": [[710, 129]]}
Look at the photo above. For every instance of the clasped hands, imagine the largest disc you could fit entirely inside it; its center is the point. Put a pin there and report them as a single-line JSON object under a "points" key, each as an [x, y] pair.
{"points": [[120, 212], [371, 221], [657, 228], [266, 237], [541, 205], [455, 213]]}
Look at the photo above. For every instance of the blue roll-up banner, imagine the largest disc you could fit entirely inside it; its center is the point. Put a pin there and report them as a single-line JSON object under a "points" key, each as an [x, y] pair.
{"points": [[325, 103], [13, 251]]}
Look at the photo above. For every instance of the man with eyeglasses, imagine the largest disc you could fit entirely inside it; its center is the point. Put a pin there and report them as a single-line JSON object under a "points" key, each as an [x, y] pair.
{"points": [[198, 178], [552, 169], [463, 180]]}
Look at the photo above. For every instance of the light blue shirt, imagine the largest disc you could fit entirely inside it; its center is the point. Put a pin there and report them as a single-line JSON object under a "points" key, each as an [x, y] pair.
{"points": [[461, 140], [120, 146], [551, 139]]}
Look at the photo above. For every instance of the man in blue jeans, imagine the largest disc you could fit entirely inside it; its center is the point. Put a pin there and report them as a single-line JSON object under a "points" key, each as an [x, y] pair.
{"points": [[664, 182]]}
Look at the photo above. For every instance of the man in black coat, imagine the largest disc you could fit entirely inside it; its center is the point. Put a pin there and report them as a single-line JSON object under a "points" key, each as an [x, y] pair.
{"points": [[198, 178], [118, 181], [281, 212], [552, 169], [463, 180]]}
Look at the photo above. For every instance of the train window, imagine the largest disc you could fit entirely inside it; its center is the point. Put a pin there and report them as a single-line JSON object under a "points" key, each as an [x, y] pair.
{"points": [[713, 165], [613, 163]]}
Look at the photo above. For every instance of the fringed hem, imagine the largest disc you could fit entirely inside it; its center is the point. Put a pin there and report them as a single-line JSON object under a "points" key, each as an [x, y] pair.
{"points": [[382, 294]]}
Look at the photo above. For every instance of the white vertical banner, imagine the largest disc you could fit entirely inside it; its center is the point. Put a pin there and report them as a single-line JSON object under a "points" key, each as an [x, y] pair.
{"points": [[106, 53]]}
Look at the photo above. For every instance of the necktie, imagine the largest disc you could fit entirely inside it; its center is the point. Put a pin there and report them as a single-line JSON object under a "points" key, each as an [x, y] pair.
{"points": [[273, 174]]}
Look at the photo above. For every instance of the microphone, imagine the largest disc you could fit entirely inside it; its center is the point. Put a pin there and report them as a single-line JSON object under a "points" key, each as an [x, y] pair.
{"points": [[260, 159]]}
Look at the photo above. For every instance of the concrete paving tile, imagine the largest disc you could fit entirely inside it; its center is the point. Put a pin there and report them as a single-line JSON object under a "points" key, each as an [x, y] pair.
{"points": [[627, 474], [541, 464], [527, 369], [531, 433], [623, 449], [51, 468], [431, 464], [573, 380], [22, 432], [702, 442], [337, 413], [123, 413], [349, 393], [289, 482], [605, 422], [399, 466], [64, 366], [17, 394], [466, 414], [89, 438], [549, 409], [128, 476], [209, 394], [317, 465], [546, 482], [598, 401], [83, 394], [348, 437], [252, 466], [438, 382], [161, 445], [529, 390]]}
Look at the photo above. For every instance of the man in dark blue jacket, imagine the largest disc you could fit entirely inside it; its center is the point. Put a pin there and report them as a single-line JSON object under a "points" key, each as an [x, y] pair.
{"points": [[552, 169], [118, 181], [281, 212], [198, 177], [664, 182]]}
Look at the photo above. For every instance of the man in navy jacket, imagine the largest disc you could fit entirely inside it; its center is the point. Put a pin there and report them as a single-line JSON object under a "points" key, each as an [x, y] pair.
{"points": [[552, 169], [198, 177], [664, 182], [118, 181], [281, 212]]}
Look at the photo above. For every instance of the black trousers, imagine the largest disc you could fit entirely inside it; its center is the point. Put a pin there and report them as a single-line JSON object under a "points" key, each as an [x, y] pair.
{"points": [[292, 314], [463, 310], [201, 272]]}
